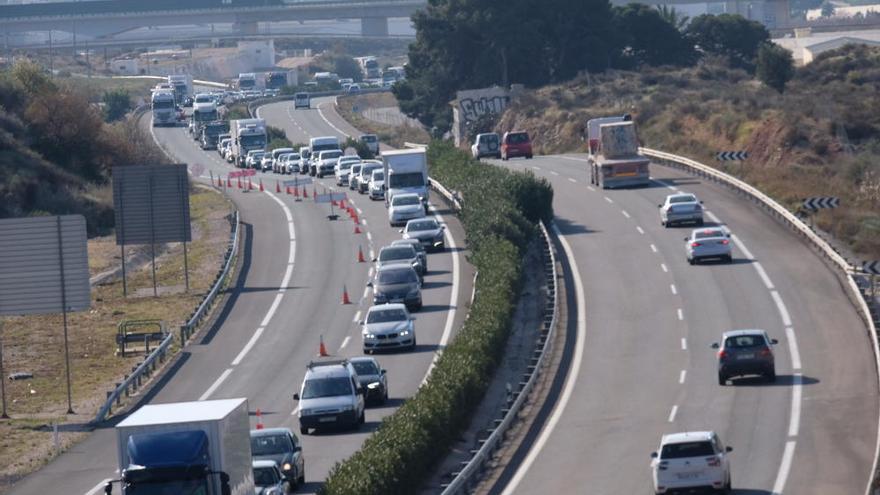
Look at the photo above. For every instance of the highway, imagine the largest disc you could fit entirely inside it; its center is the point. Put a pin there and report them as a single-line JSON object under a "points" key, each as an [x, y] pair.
{"points": [[642, 365], [287, 295]]}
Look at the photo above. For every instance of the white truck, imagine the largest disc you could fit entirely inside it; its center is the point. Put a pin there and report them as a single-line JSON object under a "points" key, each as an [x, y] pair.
{"points": [[247, 135], [406, 171], [182, 84], [614, 159], [316, 146], [205, 110], [249, 81], [163, 107], [186, 448]]}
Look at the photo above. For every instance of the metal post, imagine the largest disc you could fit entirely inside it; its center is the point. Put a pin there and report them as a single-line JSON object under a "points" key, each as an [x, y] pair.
{"points": [[3, 415], [185, 266], [153, 239], [64, 313], [122, 226], [124, 283], [183, 194]]}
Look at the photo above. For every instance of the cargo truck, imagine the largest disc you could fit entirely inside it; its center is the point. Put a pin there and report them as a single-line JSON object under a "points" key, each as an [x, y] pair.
{"points": [[406, 171], [186, 448], [182, 84], [614, 159], [211, 133], [201, 115], [163, 107], [247, 135]]}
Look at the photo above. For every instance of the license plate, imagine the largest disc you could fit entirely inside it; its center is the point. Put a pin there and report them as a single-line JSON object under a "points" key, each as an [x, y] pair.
{"points": [[746, 356], [688, 476], [397, 301], [327, 419]]}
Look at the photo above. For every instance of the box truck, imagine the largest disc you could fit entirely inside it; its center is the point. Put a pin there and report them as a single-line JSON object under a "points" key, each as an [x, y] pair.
{"points": [[247, 135], [406, 171]]}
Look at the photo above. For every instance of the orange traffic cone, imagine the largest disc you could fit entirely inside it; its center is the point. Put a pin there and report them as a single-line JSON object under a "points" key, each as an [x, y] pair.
{"points": [[314, 193], [259, 419], [250, 185], [288, 190], [322, 349], [305, 192], [239, 182], [261, 185], [357, 228], [295, 192], [278, 188], [360, 255], [345, 299], [229, 182], [219, 182], [333, 201], [342, 204]]}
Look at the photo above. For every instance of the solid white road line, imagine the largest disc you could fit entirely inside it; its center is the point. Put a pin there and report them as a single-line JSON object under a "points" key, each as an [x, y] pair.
{"points": [[793, 348], [248, 346], [783, 312], [742, 247], [663, 267], [672, 413], [340, 131], [684, 344], [573, 371], [712, 217], [272, 309], [98, 487], [763, 275], [784, 468], [682, 376], [223, 376], [794, 422]]}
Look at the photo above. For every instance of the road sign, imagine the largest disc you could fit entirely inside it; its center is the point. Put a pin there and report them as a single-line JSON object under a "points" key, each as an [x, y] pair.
{"points": [[817, 202], [328, 197], [304, 181], [726, 156], [242, 173], [872, 267], [151, 203]]}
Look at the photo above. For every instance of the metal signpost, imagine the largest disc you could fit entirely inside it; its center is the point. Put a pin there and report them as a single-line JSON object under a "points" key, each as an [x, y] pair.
{"points": [[331, 198], [44, 269], [151, 203]]}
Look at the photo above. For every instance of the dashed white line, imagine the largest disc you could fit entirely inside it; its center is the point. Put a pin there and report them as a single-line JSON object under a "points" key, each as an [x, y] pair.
{"points": [[295, 410], [357, 317], [680, 314], [609, 199], [554, 172], [372, 254], [345, 342], [570, 179], [664, 268], [653, 248], [673, 289], [682, 376], [712, 216], [684, 344], [535, 168], [625, 213], [248, 346], [761, 273], [369, 236], [360, 212], [672, 414], [223, 376], [641, 230], [591, 188], [793, 348], [783, 311], [366, 292], [370, 272]]}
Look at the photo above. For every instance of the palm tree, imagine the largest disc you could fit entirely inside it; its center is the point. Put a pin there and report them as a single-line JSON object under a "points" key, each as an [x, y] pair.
{"points": [[672, 16]]}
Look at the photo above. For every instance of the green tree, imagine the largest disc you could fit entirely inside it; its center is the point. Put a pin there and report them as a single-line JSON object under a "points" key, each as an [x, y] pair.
{"points": [[775, 66], [116, 104], [650, 38], [828, 9], [276, 138], [673, 16], [729, 35], [347, 67]]}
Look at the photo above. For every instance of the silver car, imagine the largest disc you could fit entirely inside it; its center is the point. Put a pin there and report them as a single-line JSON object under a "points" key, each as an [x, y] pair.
{"points": [[707, 243], [376, 186], [353, 176], [420, 250], [745, 352], [397, 255], [428, 231], [388, 326], [343, 169], [681, 208], [405, 207], [365, 174], [397, 283], [268, 479]]}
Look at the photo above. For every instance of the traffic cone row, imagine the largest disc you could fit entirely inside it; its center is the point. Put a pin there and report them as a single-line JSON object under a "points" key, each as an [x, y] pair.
{"points": [[259, 419]]}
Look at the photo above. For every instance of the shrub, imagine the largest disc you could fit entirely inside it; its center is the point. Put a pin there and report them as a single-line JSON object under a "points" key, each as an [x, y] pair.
{"points": [[500, 208]]}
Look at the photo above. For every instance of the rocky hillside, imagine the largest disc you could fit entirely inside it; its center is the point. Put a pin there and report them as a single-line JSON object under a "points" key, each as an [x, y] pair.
{"points": [[822, 137]]}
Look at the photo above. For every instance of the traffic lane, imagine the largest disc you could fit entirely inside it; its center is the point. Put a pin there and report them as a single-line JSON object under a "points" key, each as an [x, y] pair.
{"points": [[628, 382]]}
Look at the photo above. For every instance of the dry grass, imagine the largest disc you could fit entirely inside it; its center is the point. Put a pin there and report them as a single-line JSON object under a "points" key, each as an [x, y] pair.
{"points": [[391, 135], [35, 344]]}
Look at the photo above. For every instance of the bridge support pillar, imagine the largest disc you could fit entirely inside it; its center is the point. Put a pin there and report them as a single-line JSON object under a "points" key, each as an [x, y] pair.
{"points": [[374, 26], [247, 28]]}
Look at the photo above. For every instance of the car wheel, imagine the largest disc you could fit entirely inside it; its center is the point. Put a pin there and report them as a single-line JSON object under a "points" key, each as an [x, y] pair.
{"points": [[363, 418], [728, 259], [692, 261], [303, 430], [771, 376], [385, 394], [528, 157], [664, 224], [301, 479], [722, 380]]}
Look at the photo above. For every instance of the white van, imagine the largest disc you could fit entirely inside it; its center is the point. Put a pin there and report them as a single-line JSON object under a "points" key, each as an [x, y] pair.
{"points": [[319, 144], [301, 100]]}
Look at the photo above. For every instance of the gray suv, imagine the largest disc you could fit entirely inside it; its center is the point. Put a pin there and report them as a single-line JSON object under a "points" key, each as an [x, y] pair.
{"points": [[745, 352], [397, 284], [331, 395]]}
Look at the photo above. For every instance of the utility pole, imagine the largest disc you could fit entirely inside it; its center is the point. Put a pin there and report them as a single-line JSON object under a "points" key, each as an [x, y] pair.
{"points": [[51, 56]]}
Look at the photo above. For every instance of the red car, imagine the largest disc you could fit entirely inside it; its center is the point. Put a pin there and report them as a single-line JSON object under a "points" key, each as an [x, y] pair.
{"points": [[516, 143]]}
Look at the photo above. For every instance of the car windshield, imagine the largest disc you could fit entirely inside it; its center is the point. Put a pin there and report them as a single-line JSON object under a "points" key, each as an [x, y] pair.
{"points": [[396, 253], [344, 165], [368, 138], [743, 341], [706, 234], [326, 387], [489, 138], [385, 316], [378, 175], [397, 276], [687, 449], [517, 138], [326, 155], [683, 199], [401, 200], [252, 140], [364, 368], [415, 179], [270, 444], [367, 170], [258, 156], [204, 99], [421, 225], [159, 104], [265, 476], [355, 169]]}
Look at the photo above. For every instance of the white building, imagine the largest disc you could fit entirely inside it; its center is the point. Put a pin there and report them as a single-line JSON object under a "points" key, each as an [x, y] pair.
{"points": [[258, 54]]}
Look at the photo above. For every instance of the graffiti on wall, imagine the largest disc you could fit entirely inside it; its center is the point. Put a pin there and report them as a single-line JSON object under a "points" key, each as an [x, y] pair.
{"points": [[472, 108]]}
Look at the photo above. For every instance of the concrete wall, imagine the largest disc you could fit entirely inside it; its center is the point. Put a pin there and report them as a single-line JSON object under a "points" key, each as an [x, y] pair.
{"points": [[257, 54], [471, 104]]}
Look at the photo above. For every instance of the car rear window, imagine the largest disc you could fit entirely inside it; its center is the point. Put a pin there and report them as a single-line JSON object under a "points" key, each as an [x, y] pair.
{"points": [[682, 199], [517, 138], [405, 200], [687, 449], [396, 253], [378, 175], [366, 170], [270, 444], [744, 341], [421, 225], [368, 138], [706, 234]]}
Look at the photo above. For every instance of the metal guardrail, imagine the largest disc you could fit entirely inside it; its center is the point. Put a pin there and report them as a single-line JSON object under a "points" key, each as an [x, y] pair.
{"points": [[141, 373], [469, 475], [796, 224], [453, 197]]}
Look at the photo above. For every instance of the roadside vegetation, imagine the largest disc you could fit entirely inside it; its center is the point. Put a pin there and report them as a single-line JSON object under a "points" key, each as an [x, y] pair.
{"points": [[501, 209]]}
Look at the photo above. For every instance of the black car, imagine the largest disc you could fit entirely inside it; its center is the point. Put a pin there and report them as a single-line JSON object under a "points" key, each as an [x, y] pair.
{"points": [[282, 446], [745, 352], [372, 378]]}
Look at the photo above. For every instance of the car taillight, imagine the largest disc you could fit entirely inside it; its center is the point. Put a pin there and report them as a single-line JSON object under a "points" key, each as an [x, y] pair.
{"points": [[713, 461], [766, 352], [695, 244], [725, 242], [722, 354]]}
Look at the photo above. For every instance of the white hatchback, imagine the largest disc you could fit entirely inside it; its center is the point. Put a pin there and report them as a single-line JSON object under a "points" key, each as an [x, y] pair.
{"points": [[691, 460]]}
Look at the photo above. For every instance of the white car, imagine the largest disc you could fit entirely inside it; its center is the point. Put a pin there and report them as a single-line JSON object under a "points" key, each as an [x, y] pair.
{"points": [[343, 168], [713, 242], [691, 460], [376, 188], [405, 207], [486, 144], [681, 208], [326, 162]]}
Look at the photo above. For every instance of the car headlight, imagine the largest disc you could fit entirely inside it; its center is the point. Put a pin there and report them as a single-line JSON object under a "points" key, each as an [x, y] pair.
{"points": [[404, 333], [368, 335], [347, 408], [373, 386], [287, 466]]}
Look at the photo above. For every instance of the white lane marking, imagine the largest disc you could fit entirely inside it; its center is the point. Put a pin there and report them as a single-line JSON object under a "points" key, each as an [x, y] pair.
{"points": [[340, 131], [291, 256], [345, 342], [360, 212], [712, 216], [357, 316], [742, 247], [573, 372], [535, 168], [286, 280], [366, 292], [369, 237], [370, 272], [682, 376], [248, 346], [609, 199], [572, 180], [554, 173], [363, 221], [372, 253], [100, 485], [761, 273], [784, 467], [641, 230], [295, 410], [794, 422], [223, 376], [663, 267], [591, 188], [793, 348], [653, 248], [672, 413], [680, 314], [453, 298], [290, 231], [783, 311], [684, 344], [673, 289], [272, 309], [625, 213], [572, 158]]}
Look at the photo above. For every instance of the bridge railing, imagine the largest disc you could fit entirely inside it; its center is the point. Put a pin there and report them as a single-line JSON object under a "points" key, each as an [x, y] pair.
{"points": [[847, 269]]}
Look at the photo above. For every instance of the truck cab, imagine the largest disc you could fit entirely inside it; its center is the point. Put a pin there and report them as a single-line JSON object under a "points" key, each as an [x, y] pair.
{"points": [[164, 109]]}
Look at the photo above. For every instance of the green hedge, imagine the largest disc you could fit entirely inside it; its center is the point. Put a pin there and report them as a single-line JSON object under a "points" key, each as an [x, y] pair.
{"points": [[499, 215]]}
